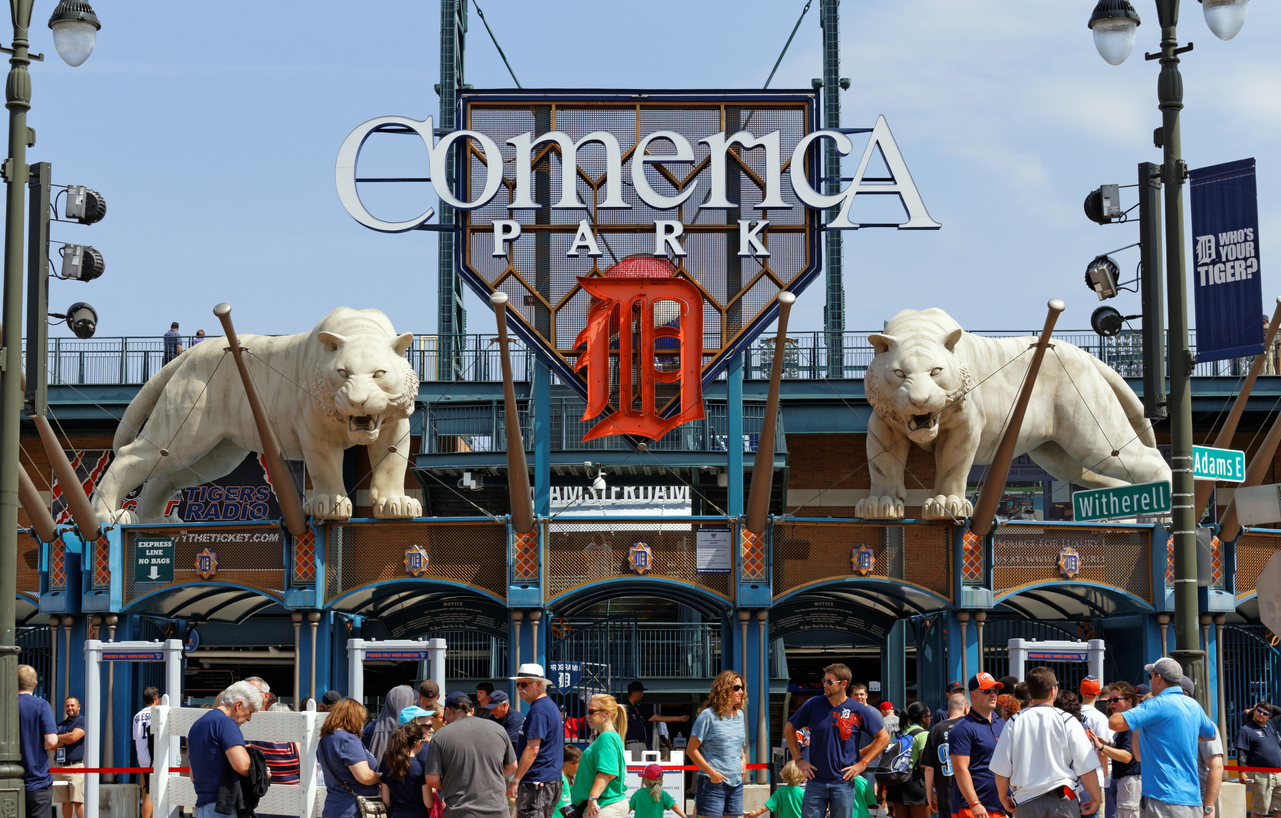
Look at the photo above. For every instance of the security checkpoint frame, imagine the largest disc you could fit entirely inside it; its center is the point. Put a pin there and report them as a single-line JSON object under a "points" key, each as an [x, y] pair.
{"points": [[97, 652], [402, 650], [1021, 651]]}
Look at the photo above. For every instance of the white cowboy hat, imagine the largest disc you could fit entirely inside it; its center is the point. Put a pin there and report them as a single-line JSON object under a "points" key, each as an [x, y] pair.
{"points": [[530, 670]]}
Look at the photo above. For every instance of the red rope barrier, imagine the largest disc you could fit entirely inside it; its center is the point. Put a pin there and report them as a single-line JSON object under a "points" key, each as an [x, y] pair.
{"points": [[1252, 769], [639, 768], [114, 769]]}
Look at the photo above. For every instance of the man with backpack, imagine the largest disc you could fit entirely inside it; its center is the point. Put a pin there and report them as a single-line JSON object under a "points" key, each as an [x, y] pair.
{"points": [[900, 770], [1042, 754], [936, 759]]}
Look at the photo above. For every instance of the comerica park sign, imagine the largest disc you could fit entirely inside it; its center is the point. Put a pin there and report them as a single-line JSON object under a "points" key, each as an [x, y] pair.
{"points": [[642, 237]]}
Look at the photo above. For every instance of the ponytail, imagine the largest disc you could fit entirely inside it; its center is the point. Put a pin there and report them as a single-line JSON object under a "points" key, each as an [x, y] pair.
{"points": [[400, 748]]}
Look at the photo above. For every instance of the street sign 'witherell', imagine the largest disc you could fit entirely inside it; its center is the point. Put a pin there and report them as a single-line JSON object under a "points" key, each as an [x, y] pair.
{"points": [[1123, 501]]}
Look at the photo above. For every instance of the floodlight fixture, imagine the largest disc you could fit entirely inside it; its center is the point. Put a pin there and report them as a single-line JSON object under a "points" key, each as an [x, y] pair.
{"points": [[82, 262], [85, 205], [81, 318], [1115, 25], [1101, 276], [1103, 204]]}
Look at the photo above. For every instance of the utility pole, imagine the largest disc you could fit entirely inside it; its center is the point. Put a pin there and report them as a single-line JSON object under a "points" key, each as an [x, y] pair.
{"points": [[451, 318]]}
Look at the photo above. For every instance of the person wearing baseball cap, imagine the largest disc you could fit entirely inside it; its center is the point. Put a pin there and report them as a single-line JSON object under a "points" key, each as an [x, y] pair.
{"points": [[468, 761], [1042, 755], [507, 717], [641, 719], [890, 718], [971, 745], [1096, 724], [1169, 725], [650, 800], [940, 715]]}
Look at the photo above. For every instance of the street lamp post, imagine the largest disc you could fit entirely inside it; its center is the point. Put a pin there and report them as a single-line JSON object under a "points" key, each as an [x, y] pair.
{"points": [[74, 27], [1114, 23]]}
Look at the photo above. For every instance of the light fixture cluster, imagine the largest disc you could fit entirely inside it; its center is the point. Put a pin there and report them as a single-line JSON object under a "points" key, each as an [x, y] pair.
{"points": [[1115, 24]]}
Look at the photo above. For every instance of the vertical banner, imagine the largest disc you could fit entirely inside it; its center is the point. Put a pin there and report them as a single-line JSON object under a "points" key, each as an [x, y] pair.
{"points": [[1228, 290]]}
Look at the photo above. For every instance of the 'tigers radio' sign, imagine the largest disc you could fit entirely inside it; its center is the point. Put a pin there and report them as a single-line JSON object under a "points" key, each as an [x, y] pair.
{"points": [[659, 148]]}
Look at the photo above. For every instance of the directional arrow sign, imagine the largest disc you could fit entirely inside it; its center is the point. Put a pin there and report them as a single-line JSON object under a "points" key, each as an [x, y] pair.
{"points": [[1209, 463], [1123, 501], [153, 560]]}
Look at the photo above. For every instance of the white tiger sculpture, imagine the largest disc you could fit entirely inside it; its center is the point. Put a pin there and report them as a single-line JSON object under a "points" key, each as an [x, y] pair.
{"points": [[346, 383], [933, 384]]}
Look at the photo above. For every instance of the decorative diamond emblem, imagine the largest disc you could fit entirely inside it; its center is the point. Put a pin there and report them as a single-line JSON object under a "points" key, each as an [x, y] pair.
{"points": [[972, 556], [1169, 561], [102, 563], [416, 560], [207, 563], [753, 555], [1069, 562], [862, 560], [525, 555], [58, 568], [305, 557], [640, 558]]}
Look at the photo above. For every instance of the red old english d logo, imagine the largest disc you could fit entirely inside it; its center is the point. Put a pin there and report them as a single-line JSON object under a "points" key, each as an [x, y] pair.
{"points": [[626, 306]]}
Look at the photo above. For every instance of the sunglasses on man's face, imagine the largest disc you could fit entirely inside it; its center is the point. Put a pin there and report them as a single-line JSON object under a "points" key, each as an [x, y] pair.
{"points": [[831, 681], [1114, 701], [523, 685]]}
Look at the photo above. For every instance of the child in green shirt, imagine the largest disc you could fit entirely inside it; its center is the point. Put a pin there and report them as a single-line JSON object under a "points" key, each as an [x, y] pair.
{"points": [[864, 797], [650, 801], [568, 770], [786, 800]]}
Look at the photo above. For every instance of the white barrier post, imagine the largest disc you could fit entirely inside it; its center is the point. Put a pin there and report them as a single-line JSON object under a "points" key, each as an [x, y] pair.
{"points": [[436, 663], [1096, 648], [92, 709], [356, 669], [163, 758], [397, 650]]}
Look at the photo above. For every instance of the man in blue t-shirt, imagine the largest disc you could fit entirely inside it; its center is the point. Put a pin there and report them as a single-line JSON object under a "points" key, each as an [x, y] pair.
{"points": [[970, 747], [540, 748], [37, 735], [215, 745], [1168, 727], [838, 727], [71, 753], [1258, 744]]}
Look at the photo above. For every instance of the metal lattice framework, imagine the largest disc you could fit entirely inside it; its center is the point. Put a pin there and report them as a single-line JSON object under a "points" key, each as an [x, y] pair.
{"points": [[547, 302], [1120, 557], [1254, 549], [469, 553], [808, 552], [580, 553]]}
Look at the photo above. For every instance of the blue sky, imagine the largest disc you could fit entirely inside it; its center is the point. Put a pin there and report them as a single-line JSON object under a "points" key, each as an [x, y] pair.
{"points": [[212, 131]]}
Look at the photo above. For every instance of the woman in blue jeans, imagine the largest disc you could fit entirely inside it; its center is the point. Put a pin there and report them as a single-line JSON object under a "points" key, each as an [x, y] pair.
{"points": [[718, 745]]}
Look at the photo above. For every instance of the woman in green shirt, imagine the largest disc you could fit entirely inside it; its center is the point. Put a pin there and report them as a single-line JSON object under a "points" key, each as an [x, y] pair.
{"points": [[599, 787]]}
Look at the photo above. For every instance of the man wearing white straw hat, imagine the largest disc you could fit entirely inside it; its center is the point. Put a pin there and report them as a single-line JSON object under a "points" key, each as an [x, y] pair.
{"points": [[540, 747]]}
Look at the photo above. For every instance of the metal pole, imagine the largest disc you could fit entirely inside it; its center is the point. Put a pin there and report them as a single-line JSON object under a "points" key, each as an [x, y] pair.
{"points": [[1174, 172], [1164, 621], [67, 624], [979, 618], [282, 478], [296, 616], [964, 618], [1223, 440], [763, 467], [87, 524], [762, 705], [51, 683], [517, 468], [1219, 620], [314, 618], [18, 101], [834, 311], [109, 734], [981, 521]]}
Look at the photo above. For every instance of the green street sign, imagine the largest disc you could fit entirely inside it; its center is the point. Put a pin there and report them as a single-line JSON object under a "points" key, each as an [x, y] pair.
{"points": [[153, 560], [1123, 501], [1209, 463]]}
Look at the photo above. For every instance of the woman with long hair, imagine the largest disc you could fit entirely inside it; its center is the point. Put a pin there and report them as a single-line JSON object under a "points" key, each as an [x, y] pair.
{"points": [[404, 790], [910, 800], [599, 787], [347, 765], [718, 745]]}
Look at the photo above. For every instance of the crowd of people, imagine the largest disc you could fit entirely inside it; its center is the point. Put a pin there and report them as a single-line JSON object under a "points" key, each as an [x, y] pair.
{"points": [[997, 748]]}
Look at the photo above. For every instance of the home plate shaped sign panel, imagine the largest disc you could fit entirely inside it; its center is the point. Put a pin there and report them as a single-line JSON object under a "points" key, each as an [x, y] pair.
{"points": [[655, 191], [642, 237]]}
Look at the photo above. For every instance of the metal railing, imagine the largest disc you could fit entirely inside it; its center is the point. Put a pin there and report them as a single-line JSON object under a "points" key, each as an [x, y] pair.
{"points": [[644, 650], [132, 360], [479, 427]]}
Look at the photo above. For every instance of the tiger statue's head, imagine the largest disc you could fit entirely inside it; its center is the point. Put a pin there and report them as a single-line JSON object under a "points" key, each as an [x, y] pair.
{"points": [[362, 376], [916, 381]]}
